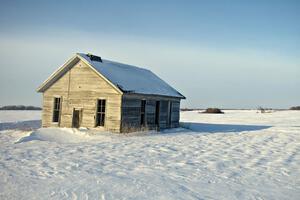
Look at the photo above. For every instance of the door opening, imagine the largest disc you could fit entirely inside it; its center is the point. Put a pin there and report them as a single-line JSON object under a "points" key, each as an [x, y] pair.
{"points": [[157, 105], [143, 112], [170, 114], [76, 118]]}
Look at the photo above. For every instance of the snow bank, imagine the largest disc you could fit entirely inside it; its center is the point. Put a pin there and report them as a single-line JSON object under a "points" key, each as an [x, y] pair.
{"points": [[59, 135], [70, 135]]}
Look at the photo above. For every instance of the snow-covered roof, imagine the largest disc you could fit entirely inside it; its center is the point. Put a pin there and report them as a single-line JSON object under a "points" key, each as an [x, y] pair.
{"points": [[131, 79]]}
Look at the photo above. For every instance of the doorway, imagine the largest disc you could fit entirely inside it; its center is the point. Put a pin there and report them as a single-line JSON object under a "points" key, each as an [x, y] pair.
{"points": [[76, 118], [157, 109]]}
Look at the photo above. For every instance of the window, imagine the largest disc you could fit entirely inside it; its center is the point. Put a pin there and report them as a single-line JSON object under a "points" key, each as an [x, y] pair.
{"points": [[56, 110], [100, 115], [170, 113], [143, 108]]}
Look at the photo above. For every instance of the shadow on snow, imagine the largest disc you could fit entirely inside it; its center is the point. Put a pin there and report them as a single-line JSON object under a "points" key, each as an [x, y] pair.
{"points": [[185, 127], [221, 128]]}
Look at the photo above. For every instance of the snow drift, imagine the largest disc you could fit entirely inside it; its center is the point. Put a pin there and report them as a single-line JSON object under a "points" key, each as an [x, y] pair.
{"points": [[59, 135]]}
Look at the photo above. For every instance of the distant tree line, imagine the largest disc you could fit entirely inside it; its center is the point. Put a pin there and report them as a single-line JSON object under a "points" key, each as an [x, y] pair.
{"points": [[188, 109], [295, 108], [259, 109], [213, 111], [19, 107]]}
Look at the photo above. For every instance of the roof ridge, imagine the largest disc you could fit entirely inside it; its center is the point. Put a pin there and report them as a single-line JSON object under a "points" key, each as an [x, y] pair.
{"points": [[116, 62]]}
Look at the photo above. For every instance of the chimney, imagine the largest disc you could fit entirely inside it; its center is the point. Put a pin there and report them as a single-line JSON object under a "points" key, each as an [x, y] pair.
{"points": [[94, 58]]}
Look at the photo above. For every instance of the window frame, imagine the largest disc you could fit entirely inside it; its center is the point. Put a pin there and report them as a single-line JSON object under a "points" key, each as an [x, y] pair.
{"points": [[101, 113], [56, 108]]}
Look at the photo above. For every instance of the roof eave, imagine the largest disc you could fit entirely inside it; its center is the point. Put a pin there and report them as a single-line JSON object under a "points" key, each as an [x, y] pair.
{"points": [[167, 96], [43, 86], [47, 83]]}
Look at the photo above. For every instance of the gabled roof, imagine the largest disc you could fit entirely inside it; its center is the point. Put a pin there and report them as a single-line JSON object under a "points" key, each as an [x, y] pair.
{"points": [[124, 78]]}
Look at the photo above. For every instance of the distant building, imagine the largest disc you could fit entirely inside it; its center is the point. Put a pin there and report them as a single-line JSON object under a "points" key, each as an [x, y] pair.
{"points": [[88, 91]]}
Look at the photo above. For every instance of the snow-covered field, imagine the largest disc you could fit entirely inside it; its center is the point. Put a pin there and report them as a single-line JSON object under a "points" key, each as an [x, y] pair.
{"points": [[238, 155], [25, 120]]}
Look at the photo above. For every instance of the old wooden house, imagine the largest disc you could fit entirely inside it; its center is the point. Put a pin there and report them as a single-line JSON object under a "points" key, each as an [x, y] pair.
{"points": [[88, 91]]}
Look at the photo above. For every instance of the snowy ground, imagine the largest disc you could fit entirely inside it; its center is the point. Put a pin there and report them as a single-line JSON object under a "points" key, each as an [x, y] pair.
{"points": [[25, 120], [238, 155]]}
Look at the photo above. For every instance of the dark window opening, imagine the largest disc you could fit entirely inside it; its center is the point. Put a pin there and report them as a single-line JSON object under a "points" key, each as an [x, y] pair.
{"points": [[157, 112], [100, 115], [56, 110], [170, 113], [143, 109]]}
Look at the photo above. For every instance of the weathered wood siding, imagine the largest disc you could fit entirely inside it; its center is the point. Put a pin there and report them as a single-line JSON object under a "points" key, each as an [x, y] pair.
{"points": [[80, 88], [131, 112], [175, 114], [164, 113], [131, 109], [150, 113]]}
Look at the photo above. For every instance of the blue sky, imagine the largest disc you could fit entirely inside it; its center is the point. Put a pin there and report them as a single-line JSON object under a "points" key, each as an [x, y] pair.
{"points": [[230, 54]]}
